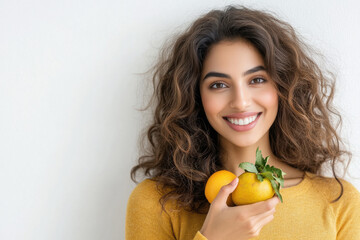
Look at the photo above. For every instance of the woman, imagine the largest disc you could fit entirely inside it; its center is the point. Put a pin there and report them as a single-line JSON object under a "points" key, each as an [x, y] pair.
{"points": [[236, 80]]}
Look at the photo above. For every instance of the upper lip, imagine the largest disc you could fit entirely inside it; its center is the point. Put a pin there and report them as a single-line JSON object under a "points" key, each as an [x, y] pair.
{"points": [[242, 115]]}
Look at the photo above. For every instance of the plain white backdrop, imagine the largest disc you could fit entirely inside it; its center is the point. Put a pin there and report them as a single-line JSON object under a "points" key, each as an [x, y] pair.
{"points": [[71, 81]]}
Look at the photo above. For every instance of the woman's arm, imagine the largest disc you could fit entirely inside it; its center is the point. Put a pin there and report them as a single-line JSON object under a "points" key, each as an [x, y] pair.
{"points": [[144, 217], [347, 212]]}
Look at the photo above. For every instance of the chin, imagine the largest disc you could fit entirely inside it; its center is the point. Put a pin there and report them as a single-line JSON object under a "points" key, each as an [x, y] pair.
{"points": [[243, 142]]}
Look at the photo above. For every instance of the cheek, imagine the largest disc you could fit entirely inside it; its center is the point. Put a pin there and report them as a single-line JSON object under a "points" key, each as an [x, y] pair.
{"points": [[270, 99], [212, 104]]}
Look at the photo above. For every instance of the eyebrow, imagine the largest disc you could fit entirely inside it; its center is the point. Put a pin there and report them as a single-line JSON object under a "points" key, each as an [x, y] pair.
{"points": [[223, 75]]}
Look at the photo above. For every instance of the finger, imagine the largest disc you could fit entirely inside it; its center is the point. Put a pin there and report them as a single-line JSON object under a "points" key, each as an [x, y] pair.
{"points": [[263, 215], [224, 193], [256, 223], [263, 220], [261, 207]]}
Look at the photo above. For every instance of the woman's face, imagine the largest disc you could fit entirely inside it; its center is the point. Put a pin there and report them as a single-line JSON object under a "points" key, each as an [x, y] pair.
{"points": [[239, 98]]}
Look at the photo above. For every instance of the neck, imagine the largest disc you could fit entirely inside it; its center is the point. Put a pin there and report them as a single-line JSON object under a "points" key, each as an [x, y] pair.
{"points": [[232, 155]]}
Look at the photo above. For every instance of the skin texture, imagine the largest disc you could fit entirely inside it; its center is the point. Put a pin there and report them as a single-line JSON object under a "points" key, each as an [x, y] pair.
{"points": [[236, 91], [239, 93], [254, 92]]}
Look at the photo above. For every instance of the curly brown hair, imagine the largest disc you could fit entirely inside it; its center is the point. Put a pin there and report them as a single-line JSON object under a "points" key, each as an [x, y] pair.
{"points": [[183, 148]]}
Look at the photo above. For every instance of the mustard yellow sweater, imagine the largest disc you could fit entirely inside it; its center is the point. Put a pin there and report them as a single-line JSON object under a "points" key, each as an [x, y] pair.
{"points": [[306, 213]]}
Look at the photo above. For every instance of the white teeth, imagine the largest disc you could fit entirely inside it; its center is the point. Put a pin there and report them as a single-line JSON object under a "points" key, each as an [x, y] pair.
{"points": [[242, 121]]}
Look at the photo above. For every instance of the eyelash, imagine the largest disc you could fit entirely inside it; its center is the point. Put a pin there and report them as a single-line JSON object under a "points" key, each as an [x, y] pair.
{"points": [[258, 79], [212, 86]]}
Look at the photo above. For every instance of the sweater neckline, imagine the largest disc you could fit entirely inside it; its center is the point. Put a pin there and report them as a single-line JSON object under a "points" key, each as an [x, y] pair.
{"points": [[299, 188]]}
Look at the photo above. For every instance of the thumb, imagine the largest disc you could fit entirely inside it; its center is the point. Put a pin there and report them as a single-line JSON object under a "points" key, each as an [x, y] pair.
{"points": [[224, 192]]}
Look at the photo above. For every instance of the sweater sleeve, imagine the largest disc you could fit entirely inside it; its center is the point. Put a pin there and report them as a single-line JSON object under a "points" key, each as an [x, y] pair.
{"points": [[145, 218], [347, 210]]}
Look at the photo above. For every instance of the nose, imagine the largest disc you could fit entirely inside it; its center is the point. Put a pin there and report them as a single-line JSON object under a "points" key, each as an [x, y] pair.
{"points": [[241, 98]]}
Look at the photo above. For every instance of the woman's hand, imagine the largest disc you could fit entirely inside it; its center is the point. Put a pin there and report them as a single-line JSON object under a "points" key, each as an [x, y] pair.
{"points": [[239, 222]]}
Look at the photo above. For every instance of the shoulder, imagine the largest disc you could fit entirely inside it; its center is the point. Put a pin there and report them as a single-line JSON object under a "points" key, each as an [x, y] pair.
{"points": [[147, 195], [145, 218], [331, 188], [346, 210], [146, 189]]}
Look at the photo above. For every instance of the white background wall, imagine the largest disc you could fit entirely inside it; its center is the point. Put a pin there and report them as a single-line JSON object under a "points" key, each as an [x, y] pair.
{"points": [[70, 83]]}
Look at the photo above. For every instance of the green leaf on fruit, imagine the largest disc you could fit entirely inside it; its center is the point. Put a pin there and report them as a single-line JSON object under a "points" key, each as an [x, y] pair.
{"points": [[259, 177], [260, 161], [280, 181], [267, 175], [276, 188], [263, 170], [248, 167]]}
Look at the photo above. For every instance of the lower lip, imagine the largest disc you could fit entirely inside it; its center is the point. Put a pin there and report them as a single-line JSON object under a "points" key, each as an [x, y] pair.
{"points": [[243, 128]]}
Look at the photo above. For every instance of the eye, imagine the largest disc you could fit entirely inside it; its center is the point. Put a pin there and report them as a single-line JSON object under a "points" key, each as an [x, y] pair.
{"points": [[257, 80], [218, 85]]}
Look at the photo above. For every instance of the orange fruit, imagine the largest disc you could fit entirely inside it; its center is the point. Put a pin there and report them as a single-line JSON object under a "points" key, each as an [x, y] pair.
{"points": [[251, 190], [215, 182]]}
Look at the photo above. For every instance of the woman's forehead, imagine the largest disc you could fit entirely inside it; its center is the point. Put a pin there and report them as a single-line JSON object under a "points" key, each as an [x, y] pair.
{"points": [[232, 56]]}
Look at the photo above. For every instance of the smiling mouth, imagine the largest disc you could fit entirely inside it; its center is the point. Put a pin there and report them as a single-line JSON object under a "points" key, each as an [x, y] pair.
{"points": [[242, 121]]}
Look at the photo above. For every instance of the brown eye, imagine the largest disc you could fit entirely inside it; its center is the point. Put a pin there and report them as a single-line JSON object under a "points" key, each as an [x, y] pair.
{"points": [[257, 80], [218, 85]]}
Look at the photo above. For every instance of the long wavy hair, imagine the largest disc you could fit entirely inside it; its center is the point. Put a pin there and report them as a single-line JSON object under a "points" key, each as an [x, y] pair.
{"points": [[182, 148]]}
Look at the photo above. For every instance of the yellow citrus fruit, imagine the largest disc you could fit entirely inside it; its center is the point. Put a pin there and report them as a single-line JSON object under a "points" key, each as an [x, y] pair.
{"points": [[251, 190], [215, 182]]}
